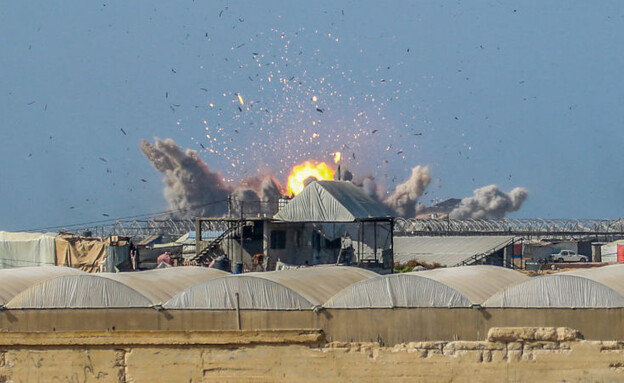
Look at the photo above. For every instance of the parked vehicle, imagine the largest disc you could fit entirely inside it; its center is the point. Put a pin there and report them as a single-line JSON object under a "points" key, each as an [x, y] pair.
{"points": [[567, 256]]}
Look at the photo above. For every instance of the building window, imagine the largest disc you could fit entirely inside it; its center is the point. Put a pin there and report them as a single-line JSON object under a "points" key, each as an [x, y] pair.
{"points": [[278, 239]]}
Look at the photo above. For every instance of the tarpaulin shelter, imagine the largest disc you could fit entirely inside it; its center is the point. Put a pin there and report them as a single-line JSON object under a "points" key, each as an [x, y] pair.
{"points": [[26, 249], [84, 253]]}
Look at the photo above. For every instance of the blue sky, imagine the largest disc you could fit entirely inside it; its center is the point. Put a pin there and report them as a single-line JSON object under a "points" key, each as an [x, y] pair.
{"points": [[526, 94]]}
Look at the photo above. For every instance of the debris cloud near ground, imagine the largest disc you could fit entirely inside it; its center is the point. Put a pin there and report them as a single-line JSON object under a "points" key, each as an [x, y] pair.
{"points": [[489, 202]]}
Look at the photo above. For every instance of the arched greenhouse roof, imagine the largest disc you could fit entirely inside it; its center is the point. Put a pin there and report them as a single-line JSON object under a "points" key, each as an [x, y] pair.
{"points": [[254, 293], [563, 290], [397, 290], [160, 285], [477, 283], [319, 283], [611, 276], [452, 287], [78, 291], [14, 281]]}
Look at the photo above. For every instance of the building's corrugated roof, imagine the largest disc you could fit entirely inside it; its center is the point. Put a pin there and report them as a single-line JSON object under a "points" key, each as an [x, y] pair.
{"points": [[149, 240], [332, 201], [447, 251]]}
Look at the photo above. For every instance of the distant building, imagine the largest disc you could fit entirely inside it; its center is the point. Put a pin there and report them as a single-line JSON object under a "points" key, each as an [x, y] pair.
{"points": [[330, 222]]}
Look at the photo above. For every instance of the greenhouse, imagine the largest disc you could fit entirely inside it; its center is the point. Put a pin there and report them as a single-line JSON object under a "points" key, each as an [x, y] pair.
{"points": [[446, 287], [601, 287], [78, 292], [160, 285], [14, 281]]}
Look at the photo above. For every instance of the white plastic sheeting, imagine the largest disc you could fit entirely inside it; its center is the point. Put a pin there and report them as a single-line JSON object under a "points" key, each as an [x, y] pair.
{"points": [[477, 283], [317, 284], [14, 281], [26, 249], [447, 251], [611, 276], [78, 291], [253, 293], [332, 201], [160, 285], [398, 290], [557, 291]]}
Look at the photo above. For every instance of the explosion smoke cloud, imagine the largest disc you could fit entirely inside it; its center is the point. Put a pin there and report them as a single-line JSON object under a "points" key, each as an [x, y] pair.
{"points": [[192, 189], [405, 197], [489, 202]]}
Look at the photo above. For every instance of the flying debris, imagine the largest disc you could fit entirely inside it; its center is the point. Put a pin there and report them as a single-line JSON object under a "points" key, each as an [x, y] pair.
{"points": [[103, 159], [143, 180], [319, 110], [173, 70], [240, 99], [123, 131], [105, 215]]}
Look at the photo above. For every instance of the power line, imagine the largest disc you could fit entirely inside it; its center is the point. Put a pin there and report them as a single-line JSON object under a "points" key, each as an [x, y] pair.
{"points": [[113, 220]]}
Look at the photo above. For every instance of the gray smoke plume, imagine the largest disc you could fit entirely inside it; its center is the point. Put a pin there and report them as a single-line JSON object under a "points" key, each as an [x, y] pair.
{"points": [[192, 189], [370, 187], [270, 190], [403, 200], [489, 202], [266, 186], [247, 200]]}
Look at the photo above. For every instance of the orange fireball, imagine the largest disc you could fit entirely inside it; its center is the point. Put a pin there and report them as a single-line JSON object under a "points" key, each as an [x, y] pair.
{"points": [[308, 169]]}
